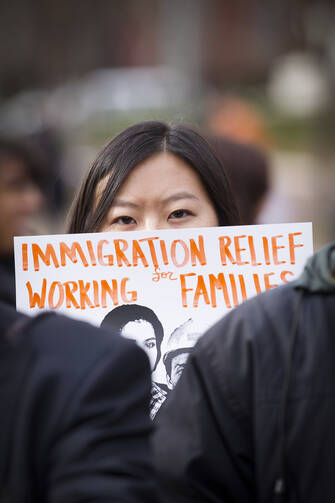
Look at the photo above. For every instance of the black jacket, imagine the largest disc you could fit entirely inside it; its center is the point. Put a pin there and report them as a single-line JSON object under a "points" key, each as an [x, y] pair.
{"points": [[254, 411], [74, 422]]}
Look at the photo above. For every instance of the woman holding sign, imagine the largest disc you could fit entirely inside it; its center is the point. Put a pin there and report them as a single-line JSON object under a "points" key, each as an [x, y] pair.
{"points": [[154, 176]]}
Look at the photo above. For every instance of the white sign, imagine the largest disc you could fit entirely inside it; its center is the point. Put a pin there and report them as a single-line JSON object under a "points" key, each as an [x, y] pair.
{"points": [[180, 280]]}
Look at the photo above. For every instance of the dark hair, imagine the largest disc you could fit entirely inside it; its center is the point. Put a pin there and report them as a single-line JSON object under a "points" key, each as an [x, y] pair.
{"points": [[121, 315], [132, 146], [248, 170]]}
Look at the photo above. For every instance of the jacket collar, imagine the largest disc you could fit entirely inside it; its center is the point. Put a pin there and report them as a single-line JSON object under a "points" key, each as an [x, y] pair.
{"points": [[319, 272]]}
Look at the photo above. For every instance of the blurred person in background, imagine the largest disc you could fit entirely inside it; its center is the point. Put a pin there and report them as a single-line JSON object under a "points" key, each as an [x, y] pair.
{"points": [[74, 422], [47, 143], [21, 187], [238, 119], [248, 170]]}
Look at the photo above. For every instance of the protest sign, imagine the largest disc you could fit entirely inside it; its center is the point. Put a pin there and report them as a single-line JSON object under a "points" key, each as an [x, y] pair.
{"points": [[178, 282]]}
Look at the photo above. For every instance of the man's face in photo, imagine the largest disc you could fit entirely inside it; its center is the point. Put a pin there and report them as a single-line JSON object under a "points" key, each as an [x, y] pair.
{"points": [[178, 363]]}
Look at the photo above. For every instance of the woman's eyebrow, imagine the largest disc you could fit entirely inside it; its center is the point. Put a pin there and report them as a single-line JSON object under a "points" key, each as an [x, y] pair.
{"points": [[178, 196], [123, 203]]}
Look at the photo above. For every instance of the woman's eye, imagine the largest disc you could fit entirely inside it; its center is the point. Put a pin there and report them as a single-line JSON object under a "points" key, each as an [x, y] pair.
{"points": [[150, 344], [124, 220], [179, 214]]}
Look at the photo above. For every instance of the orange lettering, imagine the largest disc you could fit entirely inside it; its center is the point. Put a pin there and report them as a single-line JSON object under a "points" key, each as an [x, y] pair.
{"points": [[292, 245], [127, 297], [243, 289], [173, 252], [198, 252], [91, 252], [101, 257], [234, 289], [266, 250], [84, 298], [120, 256], [252, 251], [138, 253], [200, 290], [25, 257], [220, 284], [238, 250], [275, 247], [96, 293], [64, 250], [70, 288], [51, 302], [267, 283], [112, 292], [45, 257], [257, 283], [164, 252], [283, 275], [224, 243], [184, 290], [34, 297], [152, 249]]}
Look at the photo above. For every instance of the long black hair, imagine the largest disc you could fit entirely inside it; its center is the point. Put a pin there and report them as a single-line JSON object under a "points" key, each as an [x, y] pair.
{"points": [[136, 144]]}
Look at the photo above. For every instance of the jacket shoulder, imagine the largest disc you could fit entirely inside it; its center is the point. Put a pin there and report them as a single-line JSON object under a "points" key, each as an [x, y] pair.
{"points": [[84, 406], [245, 344], [69, 357], [248, 320]]}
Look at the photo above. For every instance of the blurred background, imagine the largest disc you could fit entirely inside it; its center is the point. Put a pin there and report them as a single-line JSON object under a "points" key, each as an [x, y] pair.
{"points": [[261, 73]]}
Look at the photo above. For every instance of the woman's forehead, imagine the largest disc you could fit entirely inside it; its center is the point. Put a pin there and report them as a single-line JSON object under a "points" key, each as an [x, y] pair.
{"points": [[138, 328]]}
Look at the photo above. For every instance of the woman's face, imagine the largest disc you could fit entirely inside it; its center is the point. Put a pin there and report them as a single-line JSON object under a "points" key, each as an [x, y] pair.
{"points": [[162, 192], [143, 333]]}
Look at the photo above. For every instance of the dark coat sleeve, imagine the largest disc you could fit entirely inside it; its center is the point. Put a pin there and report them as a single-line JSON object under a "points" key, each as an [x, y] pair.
{"points": [[203, 441], [83, 426], [102, 452]]}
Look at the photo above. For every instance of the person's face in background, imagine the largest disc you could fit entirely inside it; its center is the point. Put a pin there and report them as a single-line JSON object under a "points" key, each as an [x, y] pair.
{"points": [[162, 192], [20, 200], [178, 363], [143, 333]]}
